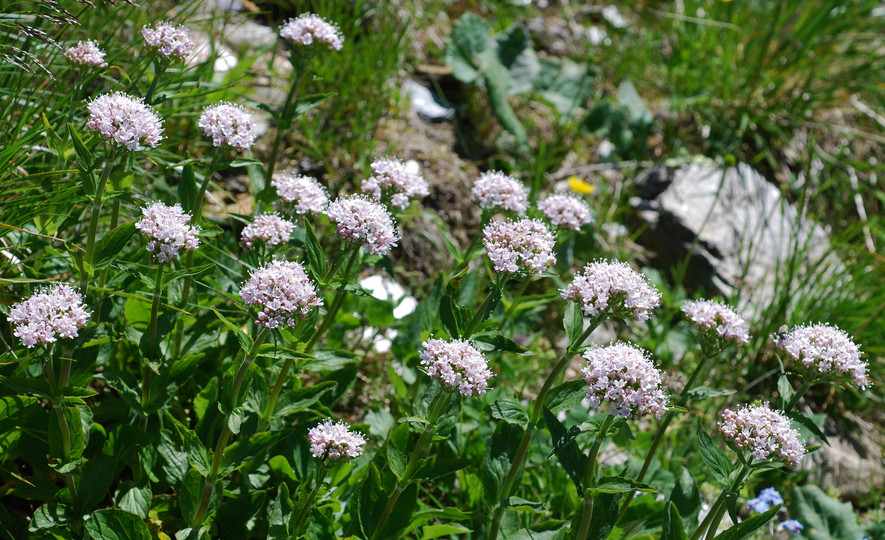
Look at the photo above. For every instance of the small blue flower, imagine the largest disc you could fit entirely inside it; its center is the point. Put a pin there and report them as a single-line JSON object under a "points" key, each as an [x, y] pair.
{"points": [[767, 498], [791, 525]]}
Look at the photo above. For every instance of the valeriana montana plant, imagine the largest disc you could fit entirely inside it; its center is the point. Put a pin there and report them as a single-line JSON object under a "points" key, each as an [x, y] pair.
{"points": [[392, 178], [299, 195]]}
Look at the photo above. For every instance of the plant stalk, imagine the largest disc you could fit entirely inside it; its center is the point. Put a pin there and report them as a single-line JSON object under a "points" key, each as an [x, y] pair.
{"points": [[340, 294], [590, 477], [513, 303], [285, 122], [305, 510], [93, 219], [711, 522], [264, 420]]}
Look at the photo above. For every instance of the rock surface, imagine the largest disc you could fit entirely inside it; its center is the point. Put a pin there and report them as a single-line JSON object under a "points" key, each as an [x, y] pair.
{"points": [[737, 231]]}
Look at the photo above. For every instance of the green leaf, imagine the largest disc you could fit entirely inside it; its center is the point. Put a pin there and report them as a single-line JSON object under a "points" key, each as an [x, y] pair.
{"points": [[190, 495], [242, 451], [713, 456], [824, 517], [373, 499], [573, 322], [605, 514], [451, 314], [50, 515], [492, 340], [134, 498], [703, 392], [620, 484], [673, 528], [95, 481], [306, 104], [436, 531], [316, 258], [235, 515], [28, 385], [510, 411], [396, 460], [112, 244], [243, 337], [72, 415], [809, 424], [518, 503], [470, 37], [566, 449], [687, 498], [187, 187], [498, 457], [84, 155], [566, 396], [745, 529], [301, 398], [187, 441], [115, 524], [431, 468], [784, 389], [279, 514]]}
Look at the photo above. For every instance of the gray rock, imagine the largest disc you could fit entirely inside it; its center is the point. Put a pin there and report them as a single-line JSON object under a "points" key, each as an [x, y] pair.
{"points": [[425, 103], [737, 231]]}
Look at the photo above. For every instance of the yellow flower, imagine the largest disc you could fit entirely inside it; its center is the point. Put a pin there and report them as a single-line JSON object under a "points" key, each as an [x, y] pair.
{"points": [[578, 185]]}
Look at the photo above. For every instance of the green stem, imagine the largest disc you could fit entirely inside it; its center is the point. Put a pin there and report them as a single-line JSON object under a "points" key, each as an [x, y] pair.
{"points": [[662, 429], [284, 121], [514, 303], [537, 409], [590, 477], [488, 304], [93, 219], [798, 395], [55, 389], [264, 420], [161, 68], [197, 210], [440, 401], [340, 294], [305, 510], [711, 522], [153, 345], [212, 479]]}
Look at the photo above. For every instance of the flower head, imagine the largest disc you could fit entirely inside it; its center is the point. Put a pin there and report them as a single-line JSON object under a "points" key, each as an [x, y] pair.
{"points": [[456, 364], [498, 189], [50, 314], [718, 319], [393, 176], [566, 211], [767, 498], [269, 229], [764, 432], [335, 441], [624, 377], [85, 53], [826, 349], [281, 291], [613, 289], [169, 42], [228, 125], [299, 194], [308, 27], [169, 230], [365, 221], [791, 526], [124, 119], [525, 246]]}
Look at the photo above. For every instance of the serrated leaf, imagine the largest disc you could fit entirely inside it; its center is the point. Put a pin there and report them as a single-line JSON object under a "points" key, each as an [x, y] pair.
{"points": [[566, 396], [510, 411], [134, 498], [713, 456], [396, 460], [116, 524]]}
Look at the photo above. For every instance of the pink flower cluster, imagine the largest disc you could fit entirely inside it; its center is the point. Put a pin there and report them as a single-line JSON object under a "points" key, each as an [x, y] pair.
{"points": [[169, 230], [612, 289], [170, 42], [124, 119], [525, 245], [335, 441], [228, 125], [282, 291], [301, 194], [362, 220], [828, 349], [626, 378], [308, 27], [763, 432], [718, 318], [496, 189], [566, 211], [52, 313], [85, 53], [456, 364], [391, 175], [269, 229]]}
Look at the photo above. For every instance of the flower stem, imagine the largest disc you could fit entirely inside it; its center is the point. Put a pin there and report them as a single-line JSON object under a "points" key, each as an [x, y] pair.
{"points": [[513, 303], [212, 479], [153, 345], [93, 219], [437, 407], [590, 477], [340, 294], [305, 510], [264, 420], [798, 395], [711, 522], [487, 306], [537, 409], [284, 121], [55, 389], [161, 68]]}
